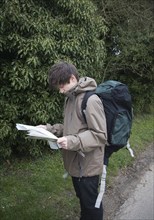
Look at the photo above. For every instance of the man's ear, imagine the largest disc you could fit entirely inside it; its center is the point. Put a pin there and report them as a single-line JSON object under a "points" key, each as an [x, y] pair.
{"points": [[73, 78]]}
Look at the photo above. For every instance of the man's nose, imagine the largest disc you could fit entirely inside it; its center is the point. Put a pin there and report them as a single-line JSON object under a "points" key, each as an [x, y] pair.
{"points": [[61, 90]]}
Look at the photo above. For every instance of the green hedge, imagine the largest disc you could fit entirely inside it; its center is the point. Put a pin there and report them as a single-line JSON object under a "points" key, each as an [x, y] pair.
{"points": [[35, 35]]}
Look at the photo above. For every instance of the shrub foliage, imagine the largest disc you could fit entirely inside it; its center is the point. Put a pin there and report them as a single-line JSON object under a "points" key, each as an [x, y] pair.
{"points": [[105, 39], [35, 35], [129, 46]]}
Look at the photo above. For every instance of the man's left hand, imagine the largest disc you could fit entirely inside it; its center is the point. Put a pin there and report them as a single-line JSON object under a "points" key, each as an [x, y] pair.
{"points": [[62, 141]]}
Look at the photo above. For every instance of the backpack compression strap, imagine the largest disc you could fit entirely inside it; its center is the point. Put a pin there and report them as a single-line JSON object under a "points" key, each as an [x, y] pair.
{"points": [[84, 102], [102, 188]]}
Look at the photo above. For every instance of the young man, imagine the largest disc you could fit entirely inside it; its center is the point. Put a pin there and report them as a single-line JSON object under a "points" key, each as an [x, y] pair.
{"points": [[82, 142]]}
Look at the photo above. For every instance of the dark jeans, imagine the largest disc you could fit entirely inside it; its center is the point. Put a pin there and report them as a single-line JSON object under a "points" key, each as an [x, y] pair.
{"points": [[86, 189]]}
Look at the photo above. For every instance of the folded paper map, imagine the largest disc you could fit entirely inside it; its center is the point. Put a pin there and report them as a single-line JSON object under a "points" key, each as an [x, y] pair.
{"points": [[39, 133]]}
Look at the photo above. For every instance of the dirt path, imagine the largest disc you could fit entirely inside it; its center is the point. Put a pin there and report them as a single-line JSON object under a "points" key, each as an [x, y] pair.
{"points": [[125, 182]]}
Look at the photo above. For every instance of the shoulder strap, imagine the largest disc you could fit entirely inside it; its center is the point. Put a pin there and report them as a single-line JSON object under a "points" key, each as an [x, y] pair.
{"points": [[84, 102]]}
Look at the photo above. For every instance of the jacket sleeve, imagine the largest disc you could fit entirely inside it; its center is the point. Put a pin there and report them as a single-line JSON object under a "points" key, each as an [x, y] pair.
{"points": [[96, 133]]}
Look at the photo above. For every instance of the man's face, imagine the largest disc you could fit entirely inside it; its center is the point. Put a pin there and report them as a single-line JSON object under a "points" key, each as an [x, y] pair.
{"points": [[63, 88]]}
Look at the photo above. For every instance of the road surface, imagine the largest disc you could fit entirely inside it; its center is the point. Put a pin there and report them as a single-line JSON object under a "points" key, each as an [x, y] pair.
{"points": [[140, 204]]}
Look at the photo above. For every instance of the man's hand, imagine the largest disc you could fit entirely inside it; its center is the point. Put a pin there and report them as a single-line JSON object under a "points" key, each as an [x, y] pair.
{"points": [[62, 142]]}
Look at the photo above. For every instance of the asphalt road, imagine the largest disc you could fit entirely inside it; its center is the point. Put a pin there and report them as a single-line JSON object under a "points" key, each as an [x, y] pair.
{"points": [[140, 204]]}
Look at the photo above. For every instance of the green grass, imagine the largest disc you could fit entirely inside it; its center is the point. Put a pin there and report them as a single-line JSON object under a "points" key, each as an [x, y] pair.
{"points": [[35, 189]]}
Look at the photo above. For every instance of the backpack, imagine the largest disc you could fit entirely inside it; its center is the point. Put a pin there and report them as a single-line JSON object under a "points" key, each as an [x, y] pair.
{"points": [[117, 103]]}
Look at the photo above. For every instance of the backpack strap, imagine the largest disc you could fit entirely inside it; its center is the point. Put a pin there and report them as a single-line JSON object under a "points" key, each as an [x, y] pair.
{"points": [[102, 188], [103, 176], [84, 102]]}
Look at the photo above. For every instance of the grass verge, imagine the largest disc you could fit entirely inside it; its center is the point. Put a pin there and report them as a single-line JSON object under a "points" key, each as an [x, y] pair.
{"points": [[35, 189]]}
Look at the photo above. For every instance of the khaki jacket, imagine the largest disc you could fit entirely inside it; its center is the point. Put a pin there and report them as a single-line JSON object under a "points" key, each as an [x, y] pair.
{"points": [[86, 141]]}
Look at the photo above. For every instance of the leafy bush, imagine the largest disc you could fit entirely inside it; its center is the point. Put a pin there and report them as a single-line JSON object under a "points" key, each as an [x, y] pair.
{"points": [[35, 35], [129, 47]]}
